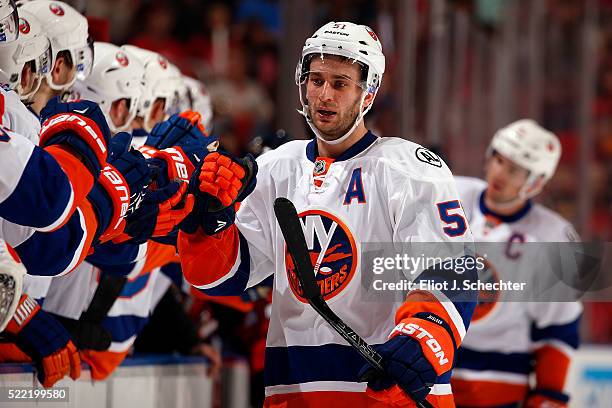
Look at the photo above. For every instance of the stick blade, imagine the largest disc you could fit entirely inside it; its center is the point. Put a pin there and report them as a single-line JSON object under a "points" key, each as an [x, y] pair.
{"points": [[293, 233]]}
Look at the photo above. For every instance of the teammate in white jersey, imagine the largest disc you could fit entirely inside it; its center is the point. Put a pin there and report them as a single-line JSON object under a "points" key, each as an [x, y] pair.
{"points": [[511, 340], [350, 187], [71, 48]]}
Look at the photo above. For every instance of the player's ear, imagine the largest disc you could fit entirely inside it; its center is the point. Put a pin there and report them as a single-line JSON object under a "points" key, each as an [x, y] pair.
{"points": [[119, 112], [62, 69], [157, 111], [367, 101], [27, 77]]}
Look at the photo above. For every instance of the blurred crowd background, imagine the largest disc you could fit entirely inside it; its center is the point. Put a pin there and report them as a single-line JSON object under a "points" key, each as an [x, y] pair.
{"points": [[456, 71]]}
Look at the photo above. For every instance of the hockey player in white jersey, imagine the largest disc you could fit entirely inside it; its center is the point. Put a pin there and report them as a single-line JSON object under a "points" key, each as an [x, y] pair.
{"points": [[71, 48], [350, 187], [24, 61], [511, 340]]}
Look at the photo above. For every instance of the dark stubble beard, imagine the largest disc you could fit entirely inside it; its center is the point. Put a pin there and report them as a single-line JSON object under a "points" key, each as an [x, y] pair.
{"points": [[344, 125]]}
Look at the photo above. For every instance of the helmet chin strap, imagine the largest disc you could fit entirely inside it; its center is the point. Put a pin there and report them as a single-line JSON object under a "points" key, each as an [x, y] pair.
{"points": [[30, 95], [341, 139]]}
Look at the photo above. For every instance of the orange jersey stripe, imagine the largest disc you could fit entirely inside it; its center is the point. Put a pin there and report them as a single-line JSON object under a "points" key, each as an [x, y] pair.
{"points": [[206, 259], [102, 363], [487, 393], [551, 368], [158, 255], [79, 177]]}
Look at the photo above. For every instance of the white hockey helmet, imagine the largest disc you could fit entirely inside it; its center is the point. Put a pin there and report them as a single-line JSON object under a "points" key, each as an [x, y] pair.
{"points": [[198, 99], [9, 21], [531, 147], [31, 45], [116, 74], [158, 80], [356, 42], [67, 30]]}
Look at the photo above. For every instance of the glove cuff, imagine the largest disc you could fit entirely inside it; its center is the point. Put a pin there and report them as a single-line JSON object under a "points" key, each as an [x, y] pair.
{"points": [[118, 191], [94, 148], [26, 309], [435, 341]]}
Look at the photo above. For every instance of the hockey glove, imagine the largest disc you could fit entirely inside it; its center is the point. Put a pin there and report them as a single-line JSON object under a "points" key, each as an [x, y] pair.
{"points": [[119, 190], [46, 342], [176, 147], [78, 128], [419, 349], [540, 398], [159, 214], [219, 186]]}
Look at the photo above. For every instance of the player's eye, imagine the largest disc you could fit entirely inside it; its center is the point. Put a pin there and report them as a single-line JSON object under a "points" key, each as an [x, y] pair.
{"points": [[340, 84], [317, 81]]}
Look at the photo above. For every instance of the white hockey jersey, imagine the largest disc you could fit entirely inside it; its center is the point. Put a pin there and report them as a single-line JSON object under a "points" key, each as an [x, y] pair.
{"points": [[15, 116], [507, 337], [381, 190]]}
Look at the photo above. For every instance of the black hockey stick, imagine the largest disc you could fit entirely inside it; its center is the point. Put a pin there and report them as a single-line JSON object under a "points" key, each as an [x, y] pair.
{"points": [[293, 233]]}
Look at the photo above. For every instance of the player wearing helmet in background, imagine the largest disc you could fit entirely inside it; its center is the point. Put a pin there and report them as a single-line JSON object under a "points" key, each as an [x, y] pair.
{"points": [[71, 48], [195, 97], [115, 83], [509, 340], [24, 61], [350, 187], [160, 83]]}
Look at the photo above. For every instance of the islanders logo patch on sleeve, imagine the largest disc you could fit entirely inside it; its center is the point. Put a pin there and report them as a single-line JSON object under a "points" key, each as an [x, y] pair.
{"points": [[332, 250]]}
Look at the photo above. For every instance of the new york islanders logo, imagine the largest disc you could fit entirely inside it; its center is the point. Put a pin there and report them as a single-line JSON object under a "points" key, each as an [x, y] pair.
{"points": [[332, 250], [56, 9], [122, 59], [24, 26]]}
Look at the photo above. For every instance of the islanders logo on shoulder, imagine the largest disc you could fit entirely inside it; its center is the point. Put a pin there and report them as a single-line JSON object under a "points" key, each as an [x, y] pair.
{"points": [[333, 252]]}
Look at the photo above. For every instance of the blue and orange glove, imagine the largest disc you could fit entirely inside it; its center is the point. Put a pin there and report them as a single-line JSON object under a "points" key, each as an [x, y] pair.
{"points": [[79, 128], [160, 212], [45, 341], [176, 147], [419, 349], [541, 398], [119, 190], [219, 185]]}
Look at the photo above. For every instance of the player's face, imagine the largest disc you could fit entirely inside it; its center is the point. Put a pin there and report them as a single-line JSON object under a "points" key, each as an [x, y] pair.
{"points": [[504, 179], [333, 95]]}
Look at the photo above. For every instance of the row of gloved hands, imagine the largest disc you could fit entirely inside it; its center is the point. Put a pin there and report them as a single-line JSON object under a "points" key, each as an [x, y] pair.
{"points": [[174, 180], [147, 192]]}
